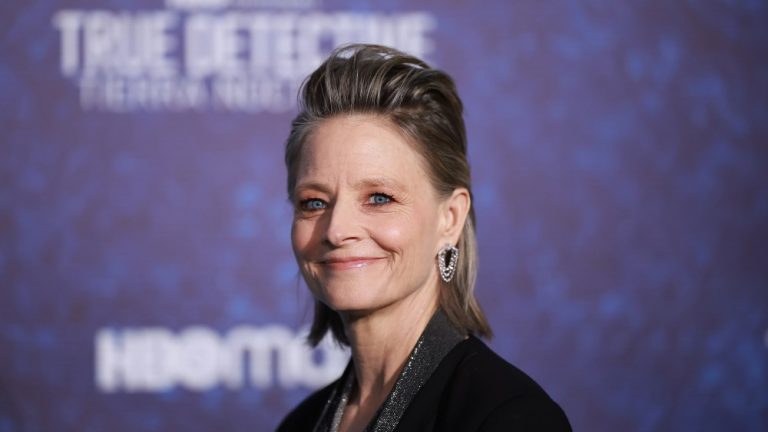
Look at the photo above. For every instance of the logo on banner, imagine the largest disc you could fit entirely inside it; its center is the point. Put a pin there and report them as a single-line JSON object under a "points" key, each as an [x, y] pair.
{"points": [[228, 55], [155, 359]]}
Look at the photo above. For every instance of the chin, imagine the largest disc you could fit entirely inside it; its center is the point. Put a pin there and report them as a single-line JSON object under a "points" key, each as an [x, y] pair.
{"points": [[355, 304], [350, 299]]}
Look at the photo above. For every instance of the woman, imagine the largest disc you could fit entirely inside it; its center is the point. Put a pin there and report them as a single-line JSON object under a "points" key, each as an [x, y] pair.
{"points": [[383, 233]]}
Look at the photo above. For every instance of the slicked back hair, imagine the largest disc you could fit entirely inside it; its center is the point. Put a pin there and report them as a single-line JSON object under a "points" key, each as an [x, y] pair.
{"points": [[424, 105]]}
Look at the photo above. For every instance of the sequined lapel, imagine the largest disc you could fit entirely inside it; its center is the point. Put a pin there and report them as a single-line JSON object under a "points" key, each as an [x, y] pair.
{"points": [[438, 338]]}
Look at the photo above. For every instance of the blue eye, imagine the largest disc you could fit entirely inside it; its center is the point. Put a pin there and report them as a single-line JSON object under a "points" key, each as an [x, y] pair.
{"points": [[379, 199], [312, 204]]}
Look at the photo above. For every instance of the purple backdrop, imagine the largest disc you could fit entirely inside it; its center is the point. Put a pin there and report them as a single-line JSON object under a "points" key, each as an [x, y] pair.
{"points": [[620, 166]]}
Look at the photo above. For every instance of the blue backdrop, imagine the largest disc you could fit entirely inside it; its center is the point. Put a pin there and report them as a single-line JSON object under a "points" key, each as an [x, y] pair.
{"points": [[620, 162]]}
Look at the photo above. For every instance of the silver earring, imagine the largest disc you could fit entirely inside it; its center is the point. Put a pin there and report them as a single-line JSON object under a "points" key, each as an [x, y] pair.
{"points": [[447, 264]]}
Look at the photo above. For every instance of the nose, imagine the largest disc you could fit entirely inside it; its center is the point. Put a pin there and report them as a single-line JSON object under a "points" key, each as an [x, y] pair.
{"points": [[343, 224]]}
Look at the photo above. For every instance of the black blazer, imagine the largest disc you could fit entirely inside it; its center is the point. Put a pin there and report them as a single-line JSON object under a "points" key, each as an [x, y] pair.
{"points": [[472, 389]]}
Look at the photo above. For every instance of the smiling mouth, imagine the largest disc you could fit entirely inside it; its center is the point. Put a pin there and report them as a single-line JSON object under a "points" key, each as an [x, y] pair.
{"points": [[349, 263]]}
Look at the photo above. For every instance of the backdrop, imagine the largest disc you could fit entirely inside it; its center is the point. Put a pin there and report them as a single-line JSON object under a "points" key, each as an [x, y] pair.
{"points": [[620, 165]]}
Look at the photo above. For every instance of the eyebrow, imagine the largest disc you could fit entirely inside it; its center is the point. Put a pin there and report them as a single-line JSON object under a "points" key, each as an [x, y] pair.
{"points": [[362, 184], [379, 182], [312, 186]]}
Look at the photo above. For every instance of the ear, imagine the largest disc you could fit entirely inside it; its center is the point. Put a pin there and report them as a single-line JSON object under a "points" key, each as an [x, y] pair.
{"points": [[453, 214]]}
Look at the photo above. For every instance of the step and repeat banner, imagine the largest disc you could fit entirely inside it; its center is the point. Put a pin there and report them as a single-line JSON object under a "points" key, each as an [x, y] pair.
{"points": [[620, 162]]}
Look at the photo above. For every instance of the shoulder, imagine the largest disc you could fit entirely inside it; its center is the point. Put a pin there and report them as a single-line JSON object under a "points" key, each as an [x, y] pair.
{"points": [[476, 389], [306, 414], [483, 372], [503, 395]]}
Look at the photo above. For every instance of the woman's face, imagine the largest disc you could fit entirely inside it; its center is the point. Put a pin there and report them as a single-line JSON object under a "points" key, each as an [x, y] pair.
{"points": [[366, 219]]}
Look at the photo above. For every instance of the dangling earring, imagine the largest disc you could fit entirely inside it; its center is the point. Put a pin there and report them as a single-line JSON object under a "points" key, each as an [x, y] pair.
{"points": [[447, 264]]}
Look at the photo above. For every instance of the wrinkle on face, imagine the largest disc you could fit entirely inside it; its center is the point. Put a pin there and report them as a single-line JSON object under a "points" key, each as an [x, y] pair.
{"points": [[345, 161]]}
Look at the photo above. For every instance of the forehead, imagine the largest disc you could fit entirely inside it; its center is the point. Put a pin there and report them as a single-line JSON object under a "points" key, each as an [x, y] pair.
{"points": [[358, 146]]}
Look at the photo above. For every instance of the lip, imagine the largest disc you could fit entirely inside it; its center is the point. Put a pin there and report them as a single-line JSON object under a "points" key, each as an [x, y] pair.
{"points": [[349, 263]]}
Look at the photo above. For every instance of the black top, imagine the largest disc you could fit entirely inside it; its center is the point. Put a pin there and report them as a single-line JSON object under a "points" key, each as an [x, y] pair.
{"points": [[472, 389]]}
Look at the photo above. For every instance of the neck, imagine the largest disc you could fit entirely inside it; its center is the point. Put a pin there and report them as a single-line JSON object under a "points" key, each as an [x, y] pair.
{"points": [[381, 342]]}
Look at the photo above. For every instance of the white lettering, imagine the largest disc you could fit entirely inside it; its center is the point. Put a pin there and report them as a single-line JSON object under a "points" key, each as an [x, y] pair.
{"points": [[198, 359], [69, 22], [197, 4], [129, 44], [124, 94], [198, 352], [134, 360], [236, 60]]}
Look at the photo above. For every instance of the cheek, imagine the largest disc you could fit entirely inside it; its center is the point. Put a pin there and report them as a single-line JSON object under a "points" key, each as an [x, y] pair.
{"points": [[301, 237], [409, 238], [301, 241], [391, 237]]}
